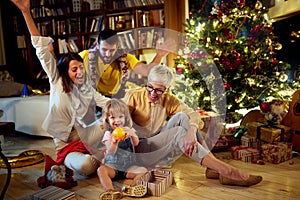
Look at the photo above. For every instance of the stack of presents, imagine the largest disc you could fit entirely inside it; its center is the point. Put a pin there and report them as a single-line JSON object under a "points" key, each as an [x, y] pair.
{"points": [[263, 139], [263, 142]]}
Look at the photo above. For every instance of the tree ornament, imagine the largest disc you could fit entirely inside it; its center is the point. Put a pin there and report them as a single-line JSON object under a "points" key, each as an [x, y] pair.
{"points": [[265, 107], [241, 3], [278, 46], [227, 86], [178, 70], [283, 77], [258, 5], [274, 61], [227, 34], [186, 42]]}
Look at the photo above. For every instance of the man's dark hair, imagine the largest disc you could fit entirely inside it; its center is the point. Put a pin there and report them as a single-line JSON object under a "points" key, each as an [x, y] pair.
{"points": [[109, 35]]}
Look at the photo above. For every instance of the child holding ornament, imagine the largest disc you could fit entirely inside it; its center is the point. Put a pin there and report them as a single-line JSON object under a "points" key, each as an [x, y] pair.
{"points": [[120, 140]]}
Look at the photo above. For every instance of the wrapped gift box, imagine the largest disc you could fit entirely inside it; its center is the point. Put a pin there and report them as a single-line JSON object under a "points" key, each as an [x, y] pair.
{"points": [[249, 141], [235, 151], [53, 193], [249, 154], [246, 154], [159, 182], [266, 133], [276, 153]]}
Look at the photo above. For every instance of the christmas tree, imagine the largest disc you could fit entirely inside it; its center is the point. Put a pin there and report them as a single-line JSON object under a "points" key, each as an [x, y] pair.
{"points": [[235, 38]]}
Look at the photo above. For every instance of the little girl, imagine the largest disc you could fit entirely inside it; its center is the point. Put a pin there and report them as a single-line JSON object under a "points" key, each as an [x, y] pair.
{"points": [[119, 161]]}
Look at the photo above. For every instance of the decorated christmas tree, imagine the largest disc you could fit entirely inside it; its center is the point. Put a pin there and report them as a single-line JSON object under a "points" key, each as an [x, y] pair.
{"points": [[235, 38]]}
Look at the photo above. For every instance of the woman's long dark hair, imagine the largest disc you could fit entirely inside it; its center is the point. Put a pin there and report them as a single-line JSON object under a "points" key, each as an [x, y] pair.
{"points": [[63, 68]]}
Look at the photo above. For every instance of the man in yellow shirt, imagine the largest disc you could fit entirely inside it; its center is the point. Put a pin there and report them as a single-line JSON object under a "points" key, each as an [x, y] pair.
{"points": [[106, 70]]}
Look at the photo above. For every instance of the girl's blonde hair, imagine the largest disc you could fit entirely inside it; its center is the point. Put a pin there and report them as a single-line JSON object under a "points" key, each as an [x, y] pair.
{"points": [[116, 105]]}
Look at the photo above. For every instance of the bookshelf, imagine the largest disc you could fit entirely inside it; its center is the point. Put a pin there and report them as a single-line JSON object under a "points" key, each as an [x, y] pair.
{"points": [[75, 24]]}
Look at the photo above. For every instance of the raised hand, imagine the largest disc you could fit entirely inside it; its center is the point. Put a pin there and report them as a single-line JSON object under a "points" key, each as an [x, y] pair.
{"points": [[23, 5]]}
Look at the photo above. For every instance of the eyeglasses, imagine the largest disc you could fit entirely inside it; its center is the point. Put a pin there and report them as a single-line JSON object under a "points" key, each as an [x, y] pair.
{"points": [[157, 91]]}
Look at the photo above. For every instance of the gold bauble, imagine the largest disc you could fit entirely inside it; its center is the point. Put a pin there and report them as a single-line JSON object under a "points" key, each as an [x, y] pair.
{"points": [[258, 5], [278, 46]]}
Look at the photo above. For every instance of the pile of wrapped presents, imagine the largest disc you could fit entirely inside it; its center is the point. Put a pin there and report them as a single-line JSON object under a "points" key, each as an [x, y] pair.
{"points": [[265, 138]]}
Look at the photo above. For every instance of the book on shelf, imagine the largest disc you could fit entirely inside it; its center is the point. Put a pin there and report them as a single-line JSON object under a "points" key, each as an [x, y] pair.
{"points": [[62, 46], [53, 12], [96, 24], [131, 39], [53, 193], [142, 35], [100, 25], [120, 20], [45, 28], [72, 25], [126, 40], [73, 45], [157, 16], [38, 12], [88, 41], [158, 37], [61, 27], [93, 23], [53, 27], [91, 41], [134, 3], [149, 18], [150, 37]]}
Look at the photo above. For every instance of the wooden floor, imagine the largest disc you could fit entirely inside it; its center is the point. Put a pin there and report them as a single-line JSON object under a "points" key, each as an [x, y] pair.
{"points": [[281, 181]]}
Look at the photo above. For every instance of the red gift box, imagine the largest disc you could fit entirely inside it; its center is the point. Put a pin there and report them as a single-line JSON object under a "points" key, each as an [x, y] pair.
{"points": [[249, 154], [246, 154], [276, 153]]}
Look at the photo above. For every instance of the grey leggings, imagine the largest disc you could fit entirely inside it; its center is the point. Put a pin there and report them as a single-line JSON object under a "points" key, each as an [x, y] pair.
{"points": [[168, 141]]}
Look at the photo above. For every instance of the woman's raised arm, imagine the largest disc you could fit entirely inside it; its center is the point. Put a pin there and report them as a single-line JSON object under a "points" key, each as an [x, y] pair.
{"points": [[24, 6]]}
